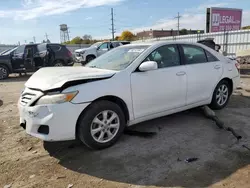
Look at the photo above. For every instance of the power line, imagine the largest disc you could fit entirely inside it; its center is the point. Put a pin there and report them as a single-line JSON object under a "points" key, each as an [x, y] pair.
{"points": [[178, 23]]}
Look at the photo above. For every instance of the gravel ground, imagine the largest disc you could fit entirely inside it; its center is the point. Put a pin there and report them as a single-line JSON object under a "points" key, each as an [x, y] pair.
{"points": [[135, 161]]}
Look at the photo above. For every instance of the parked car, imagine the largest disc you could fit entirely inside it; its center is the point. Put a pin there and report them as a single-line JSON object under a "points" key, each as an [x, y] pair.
{"points": [[86, 55], [128, 85], [31, 57]]}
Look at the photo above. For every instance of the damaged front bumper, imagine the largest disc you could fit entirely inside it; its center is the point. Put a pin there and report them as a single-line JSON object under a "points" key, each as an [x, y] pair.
{"points": [[52, 122]]}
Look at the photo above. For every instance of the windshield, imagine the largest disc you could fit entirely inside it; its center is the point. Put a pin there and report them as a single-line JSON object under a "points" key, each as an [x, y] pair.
{"points": [[96, 44], [117, 59], [9, 51]]}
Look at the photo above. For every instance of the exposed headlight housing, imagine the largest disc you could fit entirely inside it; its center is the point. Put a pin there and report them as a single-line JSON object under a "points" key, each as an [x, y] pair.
{"points": [[57, 98], [82, 52]]}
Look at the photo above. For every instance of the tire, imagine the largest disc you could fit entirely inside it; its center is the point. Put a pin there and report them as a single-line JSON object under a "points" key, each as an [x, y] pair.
{"points": [[90, 58], [58, 63], [221, 95], [4, 72], [98, 132]]}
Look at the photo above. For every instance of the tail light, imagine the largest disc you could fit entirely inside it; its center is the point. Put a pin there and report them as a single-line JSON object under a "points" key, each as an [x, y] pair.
{"points": [[237, 65], [69, 53]]}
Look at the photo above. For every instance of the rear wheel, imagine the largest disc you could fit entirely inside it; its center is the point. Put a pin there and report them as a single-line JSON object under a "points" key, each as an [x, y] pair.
{"points": [[58, 64], [221, 95], [4, 72], [101, 125]]}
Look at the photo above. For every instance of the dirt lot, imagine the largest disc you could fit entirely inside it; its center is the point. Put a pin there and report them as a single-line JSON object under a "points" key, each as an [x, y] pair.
{"points": [[135, 161]]}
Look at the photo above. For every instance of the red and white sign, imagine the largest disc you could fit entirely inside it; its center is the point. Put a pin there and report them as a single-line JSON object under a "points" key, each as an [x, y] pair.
{"points": [[223, 19]]}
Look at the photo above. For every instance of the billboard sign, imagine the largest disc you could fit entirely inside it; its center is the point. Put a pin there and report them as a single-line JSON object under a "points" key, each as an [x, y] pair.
{"points": [[225, 19]]}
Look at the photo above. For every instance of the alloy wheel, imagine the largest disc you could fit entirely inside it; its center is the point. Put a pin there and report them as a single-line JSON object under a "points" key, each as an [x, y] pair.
{"points": [[105, 126], [222, 95]]}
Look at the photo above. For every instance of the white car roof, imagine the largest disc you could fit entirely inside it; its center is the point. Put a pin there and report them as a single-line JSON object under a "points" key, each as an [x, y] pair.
{"points": [[156, 43]]}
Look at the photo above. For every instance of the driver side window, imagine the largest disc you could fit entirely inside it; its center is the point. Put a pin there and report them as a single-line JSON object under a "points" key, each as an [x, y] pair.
{"points": [[165, 56], [19, 50], [103, 46]]}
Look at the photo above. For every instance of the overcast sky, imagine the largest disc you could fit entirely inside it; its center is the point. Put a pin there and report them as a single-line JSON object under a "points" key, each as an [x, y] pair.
{"points": [[22, 19]]}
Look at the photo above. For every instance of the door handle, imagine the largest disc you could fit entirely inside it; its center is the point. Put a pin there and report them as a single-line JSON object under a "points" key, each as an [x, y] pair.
{"points": [[217, 66], [180, 73]]}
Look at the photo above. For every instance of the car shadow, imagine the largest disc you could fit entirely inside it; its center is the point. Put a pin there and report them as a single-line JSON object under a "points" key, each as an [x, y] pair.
{"points": [[17, 78], [159, 159]]}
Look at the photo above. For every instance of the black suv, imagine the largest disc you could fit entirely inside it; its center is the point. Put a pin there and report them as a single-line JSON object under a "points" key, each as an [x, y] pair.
{"points": [[31, 57]]}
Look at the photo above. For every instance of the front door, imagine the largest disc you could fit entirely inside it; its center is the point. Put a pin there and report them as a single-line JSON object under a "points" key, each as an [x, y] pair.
{"points": [[103, 48], [161, 89], [203, 73], [18, 58]]}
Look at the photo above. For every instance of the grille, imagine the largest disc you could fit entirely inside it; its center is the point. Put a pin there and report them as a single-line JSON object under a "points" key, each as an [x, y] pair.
{"points": [[27, 98]]}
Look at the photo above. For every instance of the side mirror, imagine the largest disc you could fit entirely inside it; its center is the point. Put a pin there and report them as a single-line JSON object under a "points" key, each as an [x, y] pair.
{"points": [[148, 66]]}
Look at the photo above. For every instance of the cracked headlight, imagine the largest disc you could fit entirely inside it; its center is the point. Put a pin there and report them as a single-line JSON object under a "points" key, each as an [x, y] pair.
{"points": [[57, 98]]}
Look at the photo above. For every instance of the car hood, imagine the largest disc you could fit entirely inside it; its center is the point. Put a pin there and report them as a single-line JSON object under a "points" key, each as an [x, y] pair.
{"points": [[56, 77], [84, 49], [4, 57]]}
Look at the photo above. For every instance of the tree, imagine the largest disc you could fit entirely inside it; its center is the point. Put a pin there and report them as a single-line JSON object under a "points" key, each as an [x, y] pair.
{"points": [[127, 35], [76, 40], [87, 37], [183, 32], [117, 37], [246, 27]]}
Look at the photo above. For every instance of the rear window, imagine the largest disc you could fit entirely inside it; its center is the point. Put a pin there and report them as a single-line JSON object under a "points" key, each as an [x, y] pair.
{"points": [[211, 57], [42, 47], [55, 47]]}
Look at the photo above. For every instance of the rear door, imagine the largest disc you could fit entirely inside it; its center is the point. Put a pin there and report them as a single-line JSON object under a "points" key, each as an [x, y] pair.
{"points": [[29, 58], [41, 56], [203, 72]]}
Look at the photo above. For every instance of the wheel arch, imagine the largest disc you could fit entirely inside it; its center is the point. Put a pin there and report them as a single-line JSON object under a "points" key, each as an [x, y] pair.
{"points": [[230, 82], [111, 98], [60, 60], [9, 67], [91, 55]]}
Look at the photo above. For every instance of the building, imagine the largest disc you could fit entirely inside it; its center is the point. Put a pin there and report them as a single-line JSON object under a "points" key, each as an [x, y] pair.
{"points": [[165, 33]]}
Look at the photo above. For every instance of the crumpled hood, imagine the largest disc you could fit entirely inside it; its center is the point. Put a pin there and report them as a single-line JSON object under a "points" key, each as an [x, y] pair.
{"points": [[55, 77]]}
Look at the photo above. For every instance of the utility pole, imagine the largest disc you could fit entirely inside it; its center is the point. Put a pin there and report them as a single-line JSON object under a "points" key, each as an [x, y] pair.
{"points": [[34, 39], [112, 24], [178, 23], [46, 36]]}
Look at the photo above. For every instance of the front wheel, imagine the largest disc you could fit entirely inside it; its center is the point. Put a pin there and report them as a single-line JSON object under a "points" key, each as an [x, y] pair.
{"points": [[90, 58], [4, 72], [101, 125], [221, 95]]}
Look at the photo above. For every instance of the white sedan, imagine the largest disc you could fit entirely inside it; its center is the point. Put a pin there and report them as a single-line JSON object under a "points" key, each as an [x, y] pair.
{"points": [[125, 86]]}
